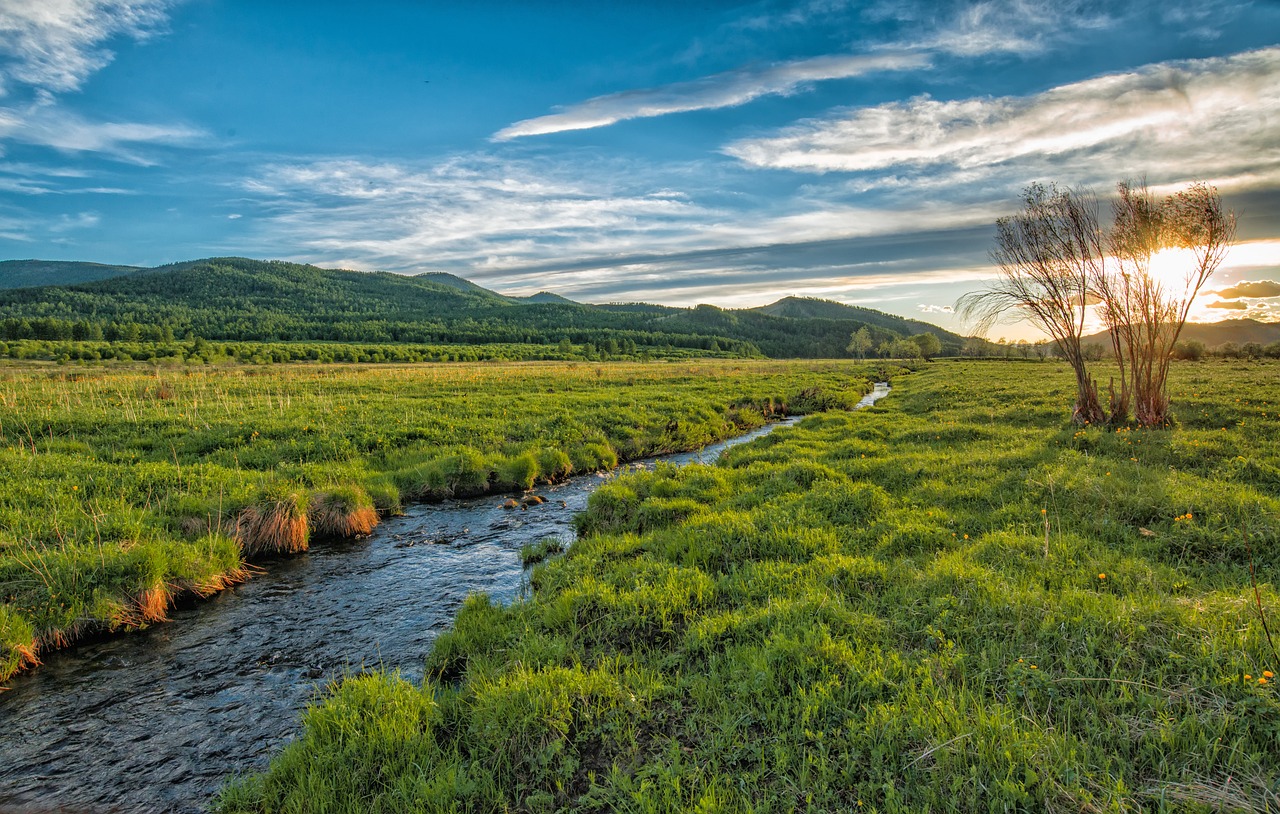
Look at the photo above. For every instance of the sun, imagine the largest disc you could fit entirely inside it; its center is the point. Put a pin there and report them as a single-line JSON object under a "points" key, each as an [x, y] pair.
{"points": [[1174, 269]]}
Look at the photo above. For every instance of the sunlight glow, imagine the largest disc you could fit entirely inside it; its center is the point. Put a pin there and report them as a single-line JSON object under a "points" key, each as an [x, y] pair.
{"points": [[1174, 270]]}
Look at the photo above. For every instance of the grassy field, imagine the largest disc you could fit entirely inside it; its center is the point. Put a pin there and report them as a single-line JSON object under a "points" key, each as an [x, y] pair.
{"points": [[122, 488], [953, 601]]}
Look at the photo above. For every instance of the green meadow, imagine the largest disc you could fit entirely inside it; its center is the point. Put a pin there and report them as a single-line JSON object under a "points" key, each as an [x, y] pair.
{"points": [[954, 600], [124, 487]]}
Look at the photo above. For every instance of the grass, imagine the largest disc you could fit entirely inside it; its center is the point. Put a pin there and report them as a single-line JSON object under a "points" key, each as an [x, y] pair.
{"points": [[951, 601], [122, 488], [534, 553]]}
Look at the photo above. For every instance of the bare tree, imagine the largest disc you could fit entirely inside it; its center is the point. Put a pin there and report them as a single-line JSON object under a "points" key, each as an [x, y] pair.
{"points": [[1125, 288], [1047, 255], [1146, 311]]}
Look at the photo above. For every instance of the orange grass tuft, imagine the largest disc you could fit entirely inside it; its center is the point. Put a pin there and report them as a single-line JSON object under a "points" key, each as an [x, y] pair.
{"points": [[220, 582], [27, 656], [153, 604], [345, 514], [279, 528]]}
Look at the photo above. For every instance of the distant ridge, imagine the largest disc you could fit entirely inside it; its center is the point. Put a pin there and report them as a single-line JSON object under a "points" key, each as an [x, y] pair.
{"points": [[1213, 334], [451, 280], [27, 273], [241, 299], [807, 308], [547, 296], [813, 308]]}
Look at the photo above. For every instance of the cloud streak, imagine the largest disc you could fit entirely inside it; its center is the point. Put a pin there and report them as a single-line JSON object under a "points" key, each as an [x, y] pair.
{"points": [[1259, 289], [47, 125], [964, 30], [1198, 118], [474, 211], [728, 89], [522, 227], [974, 29]]}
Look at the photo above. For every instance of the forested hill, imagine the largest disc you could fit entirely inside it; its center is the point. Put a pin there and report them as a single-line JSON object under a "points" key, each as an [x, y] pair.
{"points": [[240, 299], [26, 273], [810, 308]]}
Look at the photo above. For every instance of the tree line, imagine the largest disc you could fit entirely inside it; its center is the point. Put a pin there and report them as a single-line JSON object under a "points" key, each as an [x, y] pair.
{"points": [[201, 352]]}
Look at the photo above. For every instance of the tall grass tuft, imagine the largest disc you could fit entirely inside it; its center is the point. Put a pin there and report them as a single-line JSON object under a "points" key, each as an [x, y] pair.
{"points": [[342, 512], [278, 527], [153, 604], [18, 649]]}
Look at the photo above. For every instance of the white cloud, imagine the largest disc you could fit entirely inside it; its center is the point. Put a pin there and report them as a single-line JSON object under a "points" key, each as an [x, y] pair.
{"points": [[16, 229], [937, 309], [56, 44], [71, 223], [1010, 26], [1172, 120], [53, 46], [475, 210], [799, 14], [51, 126], [966, 29], [601, 232], [46, 124], [1253, 289], [502, 215], [728, 89]]}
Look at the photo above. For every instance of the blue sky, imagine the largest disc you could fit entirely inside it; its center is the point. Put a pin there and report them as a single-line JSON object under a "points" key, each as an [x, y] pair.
{"points": [[720, 152]]}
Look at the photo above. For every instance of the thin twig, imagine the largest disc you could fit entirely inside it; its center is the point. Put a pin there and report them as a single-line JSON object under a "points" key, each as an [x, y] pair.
{"points": [[927, 752]]}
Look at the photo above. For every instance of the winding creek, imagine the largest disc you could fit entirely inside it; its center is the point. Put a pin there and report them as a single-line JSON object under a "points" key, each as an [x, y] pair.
{"points": [[157, 720]]}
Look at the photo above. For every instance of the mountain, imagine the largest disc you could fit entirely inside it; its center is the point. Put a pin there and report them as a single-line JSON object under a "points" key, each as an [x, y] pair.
{"points": [[811, 308], [1213, 334], [27, 273], [450, 280], [238, 299], [546, 296]]}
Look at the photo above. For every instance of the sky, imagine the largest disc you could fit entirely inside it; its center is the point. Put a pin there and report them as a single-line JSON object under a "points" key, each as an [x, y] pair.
{"points": [[674, 152]]}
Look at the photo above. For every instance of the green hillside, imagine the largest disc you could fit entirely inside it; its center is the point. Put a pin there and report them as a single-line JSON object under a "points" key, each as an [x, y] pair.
{"points": [[546, 296], [452, 281], [811, 308], [238, 299], [27, 273]]}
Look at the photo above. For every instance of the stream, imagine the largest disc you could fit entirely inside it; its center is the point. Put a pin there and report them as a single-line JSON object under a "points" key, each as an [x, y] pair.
{"points": [[158, 719]]}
